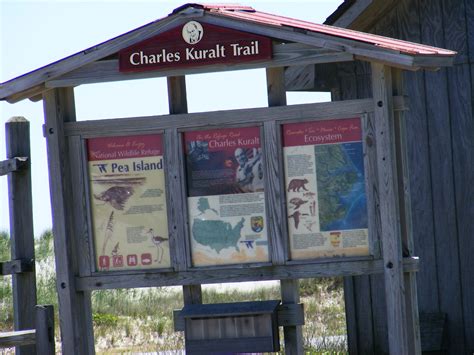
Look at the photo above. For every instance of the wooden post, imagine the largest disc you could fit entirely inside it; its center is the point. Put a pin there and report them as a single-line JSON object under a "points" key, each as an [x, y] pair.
{"points": [[45, 330], [178, 103], [390, 212], [289, 288], [74, 306], [411, 295], [21, 226]]}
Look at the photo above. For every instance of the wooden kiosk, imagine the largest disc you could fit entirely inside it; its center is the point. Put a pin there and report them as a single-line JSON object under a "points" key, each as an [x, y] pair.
{"points": [[240, 195]]}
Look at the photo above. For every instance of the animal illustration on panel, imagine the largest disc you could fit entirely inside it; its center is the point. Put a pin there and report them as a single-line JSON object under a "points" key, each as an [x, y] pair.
{"points": [[296, 185], [116, 196], [109, 231], [157, 241]]}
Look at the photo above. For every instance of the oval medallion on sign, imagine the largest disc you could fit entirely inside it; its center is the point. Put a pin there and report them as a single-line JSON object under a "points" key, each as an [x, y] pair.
{"points": [[192, 32]]}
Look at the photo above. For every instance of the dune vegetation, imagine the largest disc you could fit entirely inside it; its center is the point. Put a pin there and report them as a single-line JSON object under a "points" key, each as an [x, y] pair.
{"points": [[141, 320]]}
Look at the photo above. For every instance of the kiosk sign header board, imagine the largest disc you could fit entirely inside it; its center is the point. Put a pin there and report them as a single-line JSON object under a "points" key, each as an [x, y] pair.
{"points": [[195, 44]]}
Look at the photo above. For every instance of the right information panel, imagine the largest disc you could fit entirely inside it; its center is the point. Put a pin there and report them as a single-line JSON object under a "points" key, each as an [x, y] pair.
{"points": [[325, 189]]}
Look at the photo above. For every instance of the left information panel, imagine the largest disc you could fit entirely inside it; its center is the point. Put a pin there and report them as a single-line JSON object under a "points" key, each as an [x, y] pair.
{"points": [[128, 202]]}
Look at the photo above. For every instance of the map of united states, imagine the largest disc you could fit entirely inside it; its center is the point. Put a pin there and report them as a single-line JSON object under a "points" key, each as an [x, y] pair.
{"points": [[217, 234]]}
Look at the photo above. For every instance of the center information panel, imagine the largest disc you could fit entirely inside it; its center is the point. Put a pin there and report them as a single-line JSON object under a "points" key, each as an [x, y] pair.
{"points": [[226, 201]]}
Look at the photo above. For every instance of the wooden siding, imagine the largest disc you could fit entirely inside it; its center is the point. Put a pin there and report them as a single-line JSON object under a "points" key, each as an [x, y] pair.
{"points": [[440, 143]]}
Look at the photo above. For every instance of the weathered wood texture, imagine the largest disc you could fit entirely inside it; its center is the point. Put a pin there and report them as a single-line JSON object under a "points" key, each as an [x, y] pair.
{"points": [[16, 266], [74, 306], [236, 327], [21, 226], [304, 112], [12, 165], [289, 288], [33, 341], [45, 330], [176, 205], [440, 148], [178, 104], [16, 338], [398, 332]]}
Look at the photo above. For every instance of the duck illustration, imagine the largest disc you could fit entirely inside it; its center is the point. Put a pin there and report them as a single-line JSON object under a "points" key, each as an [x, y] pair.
{"points": [[296, 217]]}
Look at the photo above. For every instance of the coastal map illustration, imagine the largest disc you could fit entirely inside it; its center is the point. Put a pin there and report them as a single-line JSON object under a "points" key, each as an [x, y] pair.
{"points": [[341, 190], [325, 188]]}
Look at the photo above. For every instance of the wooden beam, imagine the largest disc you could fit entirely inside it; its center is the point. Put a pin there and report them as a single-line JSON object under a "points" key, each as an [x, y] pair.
{"points": [[326, 268], [178, 104], [17, 266], [404, 198], [283, 55], [300, 78], [17, 136], [176, 200], [17, 338], [12, 165], [289, 288], [45, 342], [74, 306], [389, 210], [19, 88], [29, 92], [320, 40], [274, 190], [304, 112]]}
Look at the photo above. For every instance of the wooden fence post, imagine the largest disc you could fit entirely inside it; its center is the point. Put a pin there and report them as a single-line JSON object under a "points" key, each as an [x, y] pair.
{"points": [[21, 227], [45, 330]]}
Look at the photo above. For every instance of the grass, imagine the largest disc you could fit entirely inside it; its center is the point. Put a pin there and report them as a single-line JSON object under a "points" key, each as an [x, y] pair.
{"points": [[141, 320]]}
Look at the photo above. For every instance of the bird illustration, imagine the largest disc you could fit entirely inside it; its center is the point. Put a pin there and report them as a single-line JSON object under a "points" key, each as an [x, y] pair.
{"points": [[157, 240], [109, 232], [296, 217], [297, 202], [309, 225], [309, 194], [115, 249], [116, 196], [248, 243]]}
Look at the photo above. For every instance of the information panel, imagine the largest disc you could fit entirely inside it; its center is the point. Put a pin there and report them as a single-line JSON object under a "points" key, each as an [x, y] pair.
{"points": [[226, 202], [325, 189], [128, 202]]}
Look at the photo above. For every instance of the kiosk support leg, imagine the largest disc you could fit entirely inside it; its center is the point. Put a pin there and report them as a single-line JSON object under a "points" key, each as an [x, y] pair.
{"points": [[177, 102], [74, 306], [401, 331], [289, 288]]}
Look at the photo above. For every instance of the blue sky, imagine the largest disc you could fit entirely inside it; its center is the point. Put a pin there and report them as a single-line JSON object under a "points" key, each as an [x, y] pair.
{"points": [[36, 33]]}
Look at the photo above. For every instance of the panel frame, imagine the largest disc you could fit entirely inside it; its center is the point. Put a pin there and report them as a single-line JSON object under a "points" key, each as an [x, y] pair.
{"points": [[172, 127]]}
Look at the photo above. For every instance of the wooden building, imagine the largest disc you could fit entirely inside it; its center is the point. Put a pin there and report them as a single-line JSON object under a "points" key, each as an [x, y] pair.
{"points": [[440, 141]]}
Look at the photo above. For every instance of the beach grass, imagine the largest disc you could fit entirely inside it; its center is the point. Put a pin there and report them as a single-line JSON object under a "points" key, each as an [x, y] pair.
{"points": [[141, 320]]}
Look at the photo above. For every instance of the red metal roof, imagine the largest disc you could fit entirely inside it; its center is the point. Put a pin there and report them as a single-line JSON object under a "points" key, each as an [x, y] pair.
{"points": [[249, 14]]}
